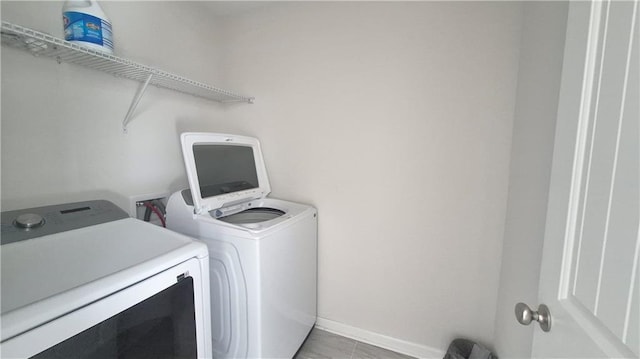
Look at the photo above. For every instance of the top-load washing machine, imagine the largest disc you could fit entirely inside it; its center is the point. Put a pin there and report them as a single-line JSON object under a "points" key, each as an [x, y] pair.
{"points": [[262, 251]]}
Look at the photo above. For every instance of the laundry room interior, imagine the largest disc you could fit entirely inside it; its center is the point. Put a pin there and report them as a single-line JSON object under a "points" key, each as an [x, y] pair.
{"points": [[422, 132]]}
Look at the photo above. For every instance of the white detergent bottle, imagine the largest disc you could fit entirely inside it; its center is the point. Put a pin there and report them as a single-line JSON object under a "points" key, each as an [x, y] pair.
{"points": [[86, 24]]}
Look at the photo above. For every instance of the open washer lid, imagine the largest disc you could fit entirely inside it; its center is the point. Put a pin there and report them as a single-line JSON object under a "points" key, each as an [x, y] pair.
{"points": [[223, 170]]}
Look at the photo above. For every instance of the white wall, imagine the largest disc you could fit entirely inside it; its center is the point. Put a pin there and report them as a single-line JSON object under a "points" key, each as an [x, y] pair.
{"points": [[533, 135], [61, 124], [395, 120]]}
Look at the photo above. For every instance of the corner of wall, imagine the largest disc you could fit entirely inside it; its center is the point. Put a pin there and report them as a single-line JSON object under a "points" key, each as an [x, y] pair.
{"points": [[530, 168]]}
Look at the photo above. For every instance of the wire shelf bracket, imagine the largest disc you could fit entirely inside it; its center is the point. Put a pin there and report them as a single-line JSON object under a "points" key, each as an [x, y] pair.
{"points": [[134, 103], [41, 44]]}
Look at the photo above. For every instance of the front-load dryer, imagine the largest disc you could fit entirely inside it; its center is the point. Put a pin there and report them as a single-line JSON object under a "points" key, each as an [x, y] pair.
{"points": [[262, 251]]}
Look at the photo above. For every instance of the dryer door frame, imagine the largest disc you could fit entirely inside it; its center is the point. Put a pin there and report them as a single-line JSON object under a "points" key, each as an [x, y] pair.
{"points": [[47, 335]]}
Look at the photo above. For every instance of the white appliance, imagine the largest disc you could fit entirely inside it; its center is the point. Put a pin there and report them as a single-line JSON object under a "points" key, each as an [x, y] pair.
{"points": [[82, 280], [262, 251]]}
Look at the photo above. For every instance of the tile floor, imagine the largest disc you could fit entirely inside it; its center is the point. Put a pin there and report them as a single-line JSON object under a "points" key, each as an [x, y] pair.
{"points": [[324, 345]]}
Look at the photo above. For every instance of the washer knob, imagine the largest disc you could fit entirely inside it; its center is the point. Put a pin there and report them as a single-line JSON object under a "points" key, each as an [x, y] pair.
{"points": [[29, 221]]}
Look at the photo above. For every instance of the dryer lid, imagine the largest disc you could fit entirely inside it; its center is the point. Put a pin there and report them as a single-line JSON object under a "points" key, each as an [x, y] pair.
{"points": [[223, 170]]}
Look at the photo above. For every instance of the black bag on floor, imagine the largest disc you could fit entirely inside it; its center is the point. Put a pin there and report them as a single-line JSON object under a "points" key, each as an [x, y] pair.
{"points": [[466, 349]]}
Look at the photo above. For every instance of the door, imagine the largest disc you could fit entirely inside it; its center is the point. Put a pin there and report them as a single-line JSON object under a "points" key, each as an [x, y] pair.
{"points": [[589, 276]]}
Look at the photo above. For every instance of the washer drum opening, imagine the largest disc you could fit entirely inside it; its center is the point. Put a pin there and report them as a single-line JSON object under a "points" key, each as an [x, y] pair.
{"points": [[253, 215]]}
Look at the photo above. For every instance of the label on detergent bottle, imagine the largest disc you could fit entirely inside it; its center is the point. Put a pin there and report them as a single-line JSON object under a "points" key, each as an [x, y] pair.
{"points": [[87, 28]]}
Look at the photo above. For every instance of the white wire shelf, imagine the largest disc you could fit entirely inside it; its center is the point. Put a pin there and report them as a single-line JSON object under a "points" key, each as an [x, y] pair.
{"points": [[45, 45]]}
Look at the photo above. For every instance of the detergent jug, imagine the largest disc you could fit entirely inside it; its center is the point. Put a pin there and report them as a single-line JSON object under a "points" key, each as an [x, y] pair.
{"points": [[86, 24]]}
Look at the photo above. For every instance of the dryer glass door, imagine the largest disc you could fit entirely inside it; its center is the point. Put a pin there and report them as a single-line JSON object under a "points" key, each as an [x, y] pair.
{"points": [[162, 326], [163, 316]]}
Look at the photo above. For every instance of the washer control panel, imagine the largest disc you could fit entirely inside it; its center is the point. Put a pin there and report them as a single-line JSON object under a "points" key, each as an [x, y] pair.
{"points": [[40, 221]]}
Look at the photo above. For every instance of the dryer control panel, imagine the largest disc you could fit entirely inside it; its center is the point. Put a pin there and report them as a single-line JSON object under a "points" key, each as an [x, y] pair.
{"points": [[40, 221]]}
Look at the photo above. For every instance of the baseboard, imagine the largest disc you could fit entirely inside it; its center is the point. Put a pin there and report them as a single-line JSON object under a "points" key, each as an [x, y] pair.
{"points": [[380, 340]]}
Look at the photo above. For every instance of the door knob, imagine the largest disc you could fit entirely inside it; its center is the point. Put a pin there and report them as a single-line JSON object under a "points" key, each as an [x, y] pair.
{"points": [[525, 315]]}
